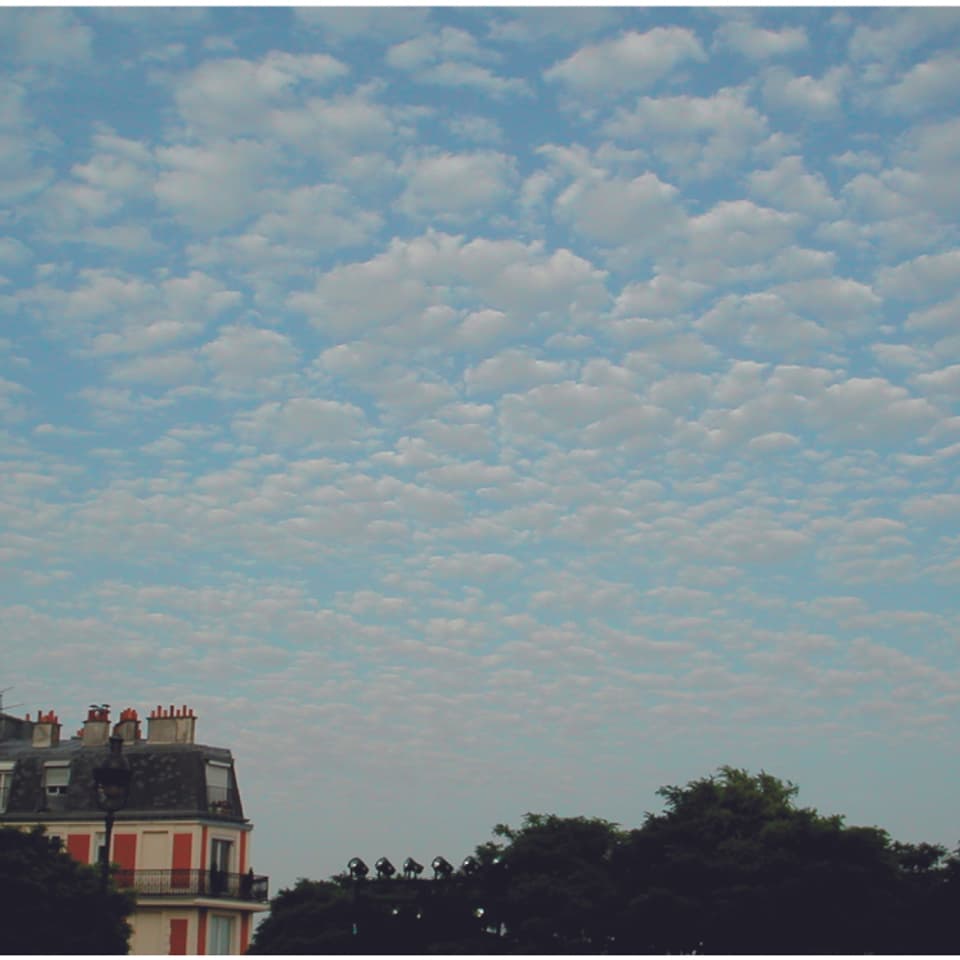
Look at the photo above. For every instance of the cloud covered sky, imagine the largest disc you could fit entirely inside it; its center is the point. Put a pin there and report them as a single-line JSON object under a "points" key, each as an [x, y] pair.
{"points": [[478, 411]]}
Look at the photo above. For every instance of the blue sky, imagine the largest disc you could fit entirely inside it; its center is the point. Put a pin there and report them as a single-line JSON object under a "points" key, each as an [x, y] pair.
{"points": [[475, 411]]}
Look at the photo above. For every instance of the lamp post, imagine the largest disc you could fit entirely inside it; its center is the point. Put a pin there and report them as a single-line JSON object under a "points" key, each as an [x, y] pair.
{"points": [[112, 780]]}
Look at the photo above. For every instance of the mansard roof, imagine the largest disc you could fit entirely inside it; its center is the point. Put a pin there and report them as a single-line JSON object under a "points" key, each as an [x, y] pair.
{"points": [[169, 781]]}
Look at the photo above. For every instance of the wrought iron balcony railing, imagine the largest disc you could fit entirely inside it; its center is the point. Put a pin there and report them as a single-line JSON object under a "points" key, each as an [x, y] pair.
{"points": [[194, 883]]}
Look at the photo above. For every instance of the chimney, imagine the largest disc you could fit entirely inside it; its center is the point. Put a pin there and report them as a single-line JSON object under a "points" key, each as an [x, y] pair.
{"points": [[175, 725], [46, 731], [128, 729], [96, 728]]}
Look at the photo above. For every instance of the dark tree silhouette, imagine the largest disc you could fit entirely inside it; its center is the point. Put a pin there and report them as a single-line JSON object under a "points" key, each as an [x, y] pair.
{"points": [[731, 866], [54, 905]]}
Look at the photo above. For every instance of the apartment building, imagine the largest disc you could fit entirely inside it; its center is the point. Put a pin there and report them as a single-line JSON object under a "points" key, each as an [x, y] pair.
{"points": [[181, 843]]}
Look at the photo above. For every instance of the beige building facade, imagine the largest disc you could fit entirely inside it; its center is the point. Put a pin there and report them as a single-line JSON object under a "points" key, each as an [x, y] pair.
{"points": [[181, 844]]}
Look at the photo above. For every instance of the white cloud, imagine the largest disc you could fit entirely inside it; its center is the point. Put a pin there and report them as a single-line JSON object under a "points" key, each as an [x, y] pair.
{"points": [[871, 411], [324, 214], [166, 369], [735, 234], [758, 43], [380, 24], [762, 321], [452, 74], [634, 61], [933, 507], [923, 278], [896, 33], [926, 85], [22, 169], [505, 275], [582, 414], [943, 383], [109, 313], [477, 129], [450, 186], [942, 316], [230, 97], [609, 210], [242, 355], [808, 95], [660, 296], [342, 129], [443, 59], [50, 37], [695, 136], [930, 156], [838, 303], [215, 186], [789, 186], [510, 370], [303, 421], [428, 48]]}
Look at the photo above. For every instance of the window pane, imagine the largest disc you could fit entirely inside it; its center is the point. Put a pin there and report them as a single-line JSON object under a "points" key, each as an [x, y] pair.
{"points": [[218, 776], [57, 776], [221, 930], [220, 855]]}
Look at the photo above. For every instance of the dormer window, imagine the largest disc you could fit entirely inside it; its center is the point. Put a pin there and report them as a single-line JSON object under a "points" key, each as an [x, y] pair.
{"points": [[219, 792], [6, 779], [56, 777]]}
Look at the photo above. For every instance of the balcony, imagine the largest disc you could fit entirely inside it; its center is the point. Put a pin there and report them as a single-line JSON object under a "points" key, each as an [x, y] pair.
{"points": [[221, 801], [194, 883]]}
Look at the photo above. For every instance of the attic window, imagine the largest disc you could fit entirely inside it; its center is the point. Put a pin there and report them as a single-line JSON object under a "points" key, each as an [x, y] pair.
{"points": [[56, 777], [6, 778], [219, 794]]}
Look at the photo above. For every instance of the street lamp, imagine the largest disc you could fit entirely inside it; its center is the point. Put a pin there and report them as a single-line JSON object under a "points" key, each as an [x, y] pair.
{"points": [[357, 868], [112, 780]]}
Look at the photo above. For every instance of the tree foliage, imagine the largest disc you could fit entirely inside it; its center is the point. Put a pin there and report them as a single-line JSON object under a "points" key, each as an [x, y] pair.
{"points": [[732, 865], [54, 905]]}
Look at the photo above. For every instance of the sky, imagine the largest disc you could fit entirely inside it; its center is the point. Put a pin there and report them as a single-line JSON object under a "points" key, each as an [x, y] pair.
{"points": [[478, 411]]}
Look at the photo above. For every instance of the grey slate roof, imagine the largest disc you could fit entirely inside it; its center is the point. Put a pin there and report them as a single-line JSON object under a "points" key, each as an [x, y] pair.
{"points": [[168, 781]]}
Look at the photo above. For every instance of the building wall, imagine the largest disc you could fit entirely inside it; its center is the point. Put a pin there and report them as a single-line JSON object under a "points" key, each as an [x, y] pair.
{"points": [[155, 845], [165, 928]]}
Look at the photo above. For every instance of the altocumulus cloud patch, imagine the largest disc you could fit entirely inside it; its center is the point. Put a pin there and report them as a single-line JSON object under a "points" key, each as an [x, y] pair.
{"points": [[479, 411]]}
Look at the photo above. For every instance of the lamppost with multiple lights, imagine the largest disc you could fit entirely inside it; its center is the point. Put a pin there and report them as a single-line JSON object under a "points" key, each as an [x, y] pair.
{"points": [[444, 874], [112, 782]]}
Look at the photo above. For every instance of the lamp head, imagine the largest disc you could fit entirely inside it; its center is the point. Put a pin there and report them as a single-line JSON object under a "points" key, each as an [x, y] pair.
{"points": [[442, 868], [112, 778], [357, 869], [385, 869]]}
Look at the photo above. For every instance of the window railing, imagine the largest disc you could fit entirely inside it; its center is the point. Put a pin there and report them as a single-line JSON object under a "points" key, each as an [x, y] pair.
{"points": [[194, 883]]}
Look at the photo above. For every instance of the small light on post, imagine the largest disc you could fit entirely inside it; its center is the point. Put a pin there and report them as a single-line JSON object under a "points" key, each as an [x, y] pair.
{"points": [[112, 783], [358, 869]]}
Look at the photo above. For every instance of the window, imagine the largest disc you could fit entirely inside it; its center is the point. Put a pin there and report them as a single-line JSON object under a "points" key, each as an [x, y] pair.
{"points": [[220, 855], [219, 795], [99, 839], [6, 779], [56, 778], [220, 937]]}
